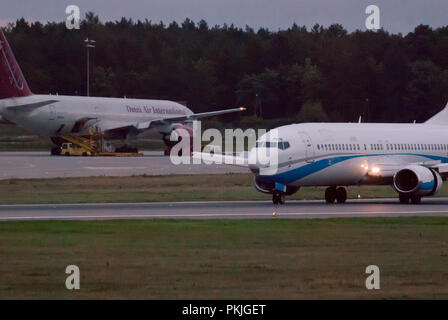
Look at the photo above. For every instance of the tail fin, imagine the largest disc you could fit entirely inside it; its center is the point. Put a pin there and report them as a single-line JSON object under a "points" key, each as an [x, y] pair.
{"points": [[439, 118], [12, 82]]}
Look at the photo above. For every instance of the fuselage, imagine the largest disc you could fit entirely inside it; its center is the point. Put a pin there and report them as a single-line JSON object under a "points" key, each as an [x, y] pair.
{"points": [[64, 112], [338, 154]]}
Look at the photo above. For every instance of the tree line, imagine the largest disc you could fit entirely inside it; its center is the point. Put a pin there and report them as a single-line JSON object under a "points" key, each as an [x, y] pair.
{"points": [[317, 74]]}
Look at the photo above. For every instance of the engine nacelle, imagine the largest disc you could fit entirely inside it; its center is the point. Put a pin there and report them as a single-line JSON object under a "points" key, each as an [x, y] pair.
{"points": [[177, 133], [268, 187], [417, 180]]}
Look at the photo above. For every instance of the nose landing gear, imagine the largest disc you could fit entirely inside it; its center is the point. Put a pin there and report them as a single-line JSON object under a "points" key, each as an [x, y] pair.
{"points": [[333, 194], [278, 195], [278, 198]]}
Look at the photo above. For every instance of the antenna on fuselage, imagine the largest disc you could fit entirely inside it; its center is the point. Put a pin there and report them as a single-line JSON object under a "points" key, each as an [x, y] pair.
{"points": [[415, 121], [359, 120]]}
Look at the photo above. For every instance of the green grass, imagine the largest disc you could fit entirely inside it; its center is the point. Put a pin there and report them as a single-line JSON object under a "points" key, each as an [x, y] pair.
{"points": [[14, 138], [158, 188], [225, 259]]}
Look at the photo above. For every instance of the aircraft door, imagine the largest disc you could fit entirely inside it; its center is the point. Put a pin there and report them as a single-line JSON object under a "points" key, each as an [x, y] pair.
{"points": [[308, 146]]}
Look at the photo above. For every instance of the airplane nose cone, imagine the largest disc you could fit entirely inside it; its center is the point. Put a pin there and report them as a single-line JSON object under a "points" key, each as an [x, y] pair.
{"points": [[252, 161], [252, 155], [260, 160]]}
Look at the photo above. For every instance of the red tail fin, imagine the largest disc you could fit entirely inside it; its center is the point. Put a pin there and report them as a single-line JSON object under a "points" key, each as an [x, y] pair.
{"points": [[12, 82]]}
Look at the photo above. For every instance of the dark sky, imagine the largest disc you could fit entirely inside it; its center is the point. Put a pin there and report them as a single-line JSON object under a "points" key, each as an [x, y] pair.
{"points": [[396, 15]]}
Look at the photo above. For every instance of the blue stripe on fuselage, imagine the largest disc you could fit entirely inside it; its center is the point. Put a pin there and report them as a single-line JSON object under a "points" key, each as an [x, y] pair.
{"points": [[313, 167]]}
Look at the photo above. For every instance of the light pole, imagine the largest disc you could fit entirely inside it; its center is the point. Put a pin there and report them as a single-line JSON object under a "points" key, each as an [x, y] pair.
{"points": [[89, 44]]}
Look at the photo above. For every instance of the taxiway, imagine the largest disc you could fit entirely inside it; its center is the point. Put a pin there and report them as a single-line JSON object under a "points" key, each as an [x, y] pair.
{"points": [[29, 165]]}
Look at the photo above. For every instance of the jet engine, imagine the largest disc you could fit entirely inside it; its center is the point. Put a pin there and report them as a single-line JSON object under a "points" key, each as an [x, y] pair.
{"points": [[415, 180], [175, 136]]}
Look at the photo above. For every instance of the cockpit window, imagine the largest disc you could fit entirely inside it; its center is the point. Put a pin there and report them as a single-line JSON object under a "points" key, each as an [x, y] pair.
{"points": [[266, 144], [283, 145]]}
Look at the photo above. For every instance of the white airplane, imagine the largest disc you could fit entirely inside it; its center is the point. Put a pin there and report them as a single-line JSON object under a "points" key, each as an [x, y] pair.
{"points": [[411, 157], [55, 116]]}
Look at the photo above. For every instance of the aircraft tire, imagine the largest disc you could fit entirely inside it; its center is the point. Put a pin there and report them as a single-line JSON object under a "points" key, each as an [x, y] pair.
{"points": [[275, 198], [341, 195], [281, 198], [416, 199], [330, 194], [404, 199]]}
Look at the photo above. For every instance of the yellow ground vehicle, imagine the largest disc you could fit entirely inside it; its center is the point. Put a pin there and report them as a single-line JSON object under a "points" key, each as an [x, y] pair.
{"points": [[71, 149], [90, 144]]}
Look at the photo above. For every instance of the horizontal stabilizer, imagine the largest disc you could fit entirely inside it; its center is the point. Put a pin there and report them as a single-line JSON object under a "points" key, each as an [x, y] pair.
{"points": [[31, 106]]}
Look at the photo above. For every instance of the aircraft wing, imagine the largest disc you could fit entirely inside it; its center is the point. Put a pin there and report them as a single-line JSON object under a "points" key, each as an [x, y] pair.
{"points": [[388, 170], [121, 126], [196, 116], [239, 160], [442, 168]]}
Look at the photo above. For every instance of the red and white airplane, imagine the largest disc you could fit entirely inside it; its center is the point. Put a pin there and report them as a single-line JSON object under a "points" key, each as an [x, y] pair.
{"points": [[56, 115]]}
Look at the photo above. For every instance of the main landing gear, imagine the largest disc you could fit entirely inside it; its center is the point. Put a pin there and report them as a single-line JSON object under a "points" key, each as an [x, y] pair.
{"points": [[333, 194], [404, 199]]}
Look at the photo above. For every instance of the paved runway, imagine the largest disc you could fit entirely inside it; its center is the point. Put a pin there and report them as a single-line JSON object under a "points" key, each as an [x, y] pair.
{"points": [[224, 210], [26, 165]]}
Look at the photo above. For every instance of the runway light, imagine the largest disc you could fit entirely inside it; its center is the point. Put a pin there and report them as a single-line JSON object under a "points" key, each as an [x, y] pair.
{"points": [[274, 214]]}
